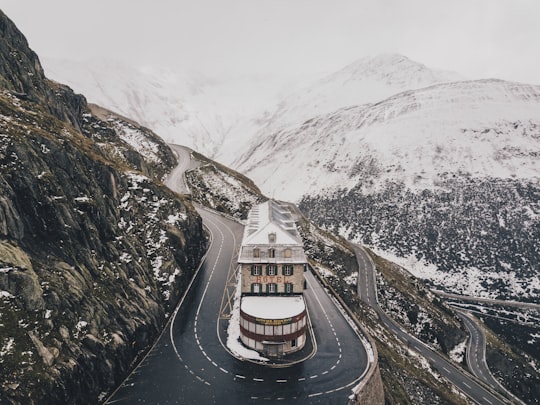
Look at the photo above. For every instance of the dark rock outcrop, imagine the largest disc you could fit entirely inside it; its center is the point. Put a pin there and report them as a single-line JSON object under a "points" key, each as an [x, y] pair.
{"points": [[94, 251]]}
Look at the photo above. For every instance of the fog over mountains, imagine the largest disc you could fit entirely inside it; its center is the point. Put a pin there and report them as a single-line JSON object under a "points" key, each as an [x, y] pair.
{"points": [[420, 163], [183, 107]]}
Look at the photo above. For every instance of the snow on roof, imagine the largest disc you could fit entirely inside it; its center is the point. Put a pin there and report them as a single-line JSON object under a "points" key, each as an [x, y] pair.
{"points": [[270, 218], [268, 307]]}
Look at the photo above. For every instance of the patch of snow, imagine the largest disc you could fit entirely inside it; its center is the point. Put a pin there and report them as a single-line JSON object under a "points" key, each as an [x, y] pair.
{"points": [[458, 352], [233, 330], [125, 257], [6, 294], [138, 140], [174, 219], [324, 272], [351, 279], [7, 347], [6, 269], [80, 325]]}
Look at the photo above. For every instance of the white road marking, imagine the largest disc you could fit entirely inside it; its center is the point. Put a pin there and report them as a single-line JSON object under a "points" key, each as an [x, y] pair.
{"points": [[240, 376], [258, 379]]}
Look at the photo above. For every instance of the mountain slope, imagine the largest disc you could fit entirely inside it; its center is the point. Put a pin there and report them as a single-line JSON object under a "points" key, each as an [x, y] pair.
{"points": [[94, 251], [366, 81], [484, 128], [444, 177], [184, 108]]}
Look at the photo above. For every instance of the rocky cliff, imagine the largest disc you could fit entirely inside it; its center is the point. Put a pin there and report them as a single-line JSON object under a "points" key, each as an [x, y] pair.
{"points": [[94, 251]]}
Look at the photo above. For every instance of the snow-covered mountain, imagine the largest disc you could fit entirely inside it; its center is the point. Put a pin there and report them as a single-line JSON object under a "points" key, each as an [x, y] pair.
{"points": [[184, 108], [428, 168], [482, 128], [442, 177], [368, 80]]}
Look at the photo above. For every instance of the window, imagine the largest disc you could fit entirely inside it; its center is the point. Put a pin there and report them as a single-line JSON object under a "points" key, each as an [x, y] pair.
{"points": [[271, 288], [287, 253], [272, 253], [256, 288], [287, 329], [256, 252], [288, 288], [287, 270], [272, 237], [271, 270], [293, 343], [256, 270]]}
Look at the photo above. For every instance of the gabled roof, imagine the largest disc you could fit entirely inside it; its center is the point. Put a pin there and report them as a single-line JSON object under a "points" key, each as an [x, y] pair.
{"points": [[270, 218]]}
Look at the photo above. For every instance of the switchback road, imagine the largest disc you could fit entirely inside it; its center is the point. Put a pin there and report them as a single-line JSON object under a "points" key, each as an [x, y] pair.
{"points": [[189, 363], [367, 291]]}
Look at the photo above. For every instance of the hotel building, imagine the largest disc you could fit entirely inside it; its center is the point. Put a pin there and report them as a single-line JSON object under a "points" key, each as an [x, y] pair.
{"points": [[273, 318]]}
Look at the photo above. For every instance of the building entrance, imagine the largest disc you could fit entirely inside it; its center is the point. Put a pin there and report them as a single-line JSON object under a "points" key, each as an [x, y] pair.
{"points": [[272, 349]]}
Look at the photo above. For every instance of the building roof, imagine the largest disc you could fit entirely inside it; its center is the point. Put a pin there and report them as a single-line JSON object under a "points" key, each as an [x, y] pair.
{"points": [[267, 307], [270, 218]]}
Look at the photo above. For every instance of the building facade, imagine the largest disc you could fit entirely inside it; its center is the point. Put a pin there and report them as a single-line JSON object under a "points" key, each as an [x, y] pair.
{"points": [[273, 317]]}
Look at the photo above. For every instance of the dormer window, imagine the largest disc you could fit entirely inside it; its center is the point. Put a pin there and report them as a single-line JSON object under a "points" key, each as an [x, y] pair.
{"points": [[256, 252], [272, 237], [272, 253]]}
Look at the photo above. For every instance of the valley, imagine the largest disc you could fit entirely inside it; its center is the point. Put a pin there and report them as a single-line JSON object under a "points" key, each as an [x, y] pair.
{"points": [[415, 192]]}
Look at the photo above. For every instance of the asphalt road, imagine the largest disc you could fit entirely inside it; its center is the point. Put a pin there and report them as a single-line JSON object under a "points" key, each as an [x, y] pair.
{"points": [[508, 303], [189, 364], [476, 350], [175, 179], [474, 389]]}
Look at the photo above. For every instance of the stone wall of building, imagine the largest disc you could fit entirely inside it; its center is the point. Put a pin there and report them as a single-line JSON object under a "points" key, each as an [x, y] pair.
{"points": [[296, 279]]}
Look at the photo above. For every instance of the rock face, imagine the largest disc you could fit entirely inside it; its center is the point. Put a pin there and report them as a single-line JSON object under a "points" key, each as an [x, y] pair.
{"points": [[94, 251]]}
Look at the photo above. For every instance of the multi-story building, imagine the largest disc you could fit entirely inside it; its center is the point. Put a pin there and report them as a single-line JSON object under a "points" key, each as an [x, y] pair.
{"points": [[273, 318]]}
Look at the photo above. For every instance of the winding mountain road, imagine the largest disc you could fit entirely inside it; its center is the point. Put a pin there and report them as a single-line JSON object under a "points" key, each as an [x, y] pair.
{"points": [[472, 387], [476, 350], [189, 364]]}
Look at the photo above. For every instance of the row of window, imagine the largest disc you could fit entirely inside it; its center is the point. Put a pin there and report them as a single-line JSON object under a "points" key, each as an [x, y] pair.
{"points": [[273, 330], [271, 288], [287, 253], [272, 270]]}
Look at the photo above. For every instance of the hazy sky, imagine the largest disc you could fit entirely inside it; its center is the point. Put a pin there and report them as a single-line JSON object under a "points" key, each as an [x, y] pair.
{"points": [[477, 38]]}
